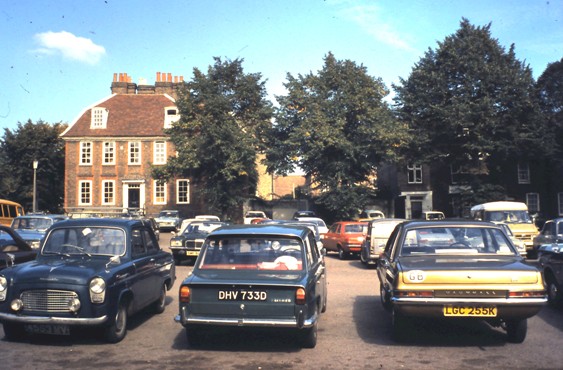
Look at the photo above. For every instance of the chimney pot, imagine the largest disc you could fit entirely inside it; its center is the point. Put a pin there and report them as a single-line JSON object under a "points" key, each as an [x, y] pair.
{"points": [[157, 76], [170, 77], [115, 77]]}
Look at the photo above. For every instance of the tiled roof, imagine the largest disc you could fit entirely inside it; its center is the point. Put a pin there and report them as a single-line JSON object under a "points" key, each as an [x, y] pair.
{"points": [[129, 115]]}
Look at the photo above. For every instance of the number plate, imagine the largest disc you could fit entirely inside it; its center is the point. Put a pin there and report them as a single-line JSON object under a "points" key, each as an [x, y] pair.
{"points": [[47, 329], [242, 295], [192, 253], [470, 311]]}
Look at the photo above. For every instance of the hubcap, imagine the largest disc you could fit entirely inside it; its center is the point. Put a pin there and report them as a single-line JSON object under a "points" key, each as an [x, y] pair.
{"points": [[553, 291]]}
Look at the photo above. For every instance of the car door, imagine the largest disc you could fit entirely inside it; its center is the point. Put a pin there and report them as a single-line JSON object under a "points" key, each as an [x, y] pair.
{"points": [[331, 237], [317, 271], [144, 267], [386, 265], [547, 234]]}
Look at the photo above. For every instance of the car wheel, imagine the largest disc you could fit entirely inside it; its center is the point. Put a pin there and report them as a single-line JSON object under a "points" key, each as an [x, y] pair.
{"points": [[341, 254], [117, 330], [13, 331], [554, 294], [160, 304], [325, 302], [195, 335], [400, 325], [385, 299], [363, 259], [516, 330]]}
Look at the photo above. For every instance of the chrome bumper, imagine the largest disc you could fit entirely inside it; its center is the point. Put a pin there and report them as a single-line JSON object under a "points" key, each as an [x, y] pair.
{"points": [[300, 322], [52, 320]]}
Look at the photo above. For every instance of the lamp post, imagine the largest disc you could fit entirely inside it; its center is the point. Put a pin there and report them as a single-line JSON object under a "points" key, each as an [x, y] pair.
{"points": [[35, 163]]}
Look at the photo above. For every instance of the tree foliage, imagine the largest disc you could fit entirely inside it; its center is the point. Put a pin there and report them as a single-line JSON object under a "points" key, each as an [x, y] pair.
{"points": [[18, 149], [224, 117], [471, 103], [335, 126], [550, 88]]}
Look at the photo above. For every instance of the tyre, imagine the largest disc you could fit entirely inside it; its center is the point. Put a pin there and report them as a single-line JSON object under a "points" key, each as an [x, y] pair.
{"points": [[363, 259], [195, 335], [117, 330], [554, 293], [160, 304], [400, 325], [13, 331], [516, 330], [341, 254], [385, 299]]}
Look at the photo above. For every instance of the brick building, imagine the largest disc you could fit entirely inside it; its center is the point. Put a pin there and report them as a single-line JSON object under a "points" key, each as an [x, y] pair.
{"points": [[112, 144]]}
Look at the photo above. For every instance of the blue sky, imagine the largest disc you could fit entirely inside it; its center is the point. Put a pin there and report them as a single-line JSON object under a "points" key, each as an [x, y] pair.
{"points": [[59, 56]]}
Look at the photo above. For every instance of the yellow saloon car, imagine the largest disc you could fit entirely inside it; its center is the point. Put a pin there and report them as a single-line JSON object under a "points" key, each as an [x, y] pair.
{"points": [[458, 269]]}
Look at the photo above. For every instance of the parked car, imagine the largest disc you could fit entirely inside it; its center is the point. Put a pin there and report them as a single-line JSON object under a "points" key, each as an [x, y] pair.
{"points": [[185, 222], [298, 214], [13, 249], [154, 227], [168, 220], [252, 215], [551, 232], [32, 228], [88, 273], [432, 215], [311, 225], [550, 257], [345, 238], [323, 229], [187, 245], [378, 231], [423, 277], [519, 244], [370, 214], [269, 276]]}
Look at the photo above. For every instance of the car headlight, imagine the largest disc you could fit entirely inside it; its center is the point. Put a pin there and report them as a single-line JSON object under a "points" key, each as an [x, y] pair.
{"points": [[3, 288], [97, 290], [175, 243]]}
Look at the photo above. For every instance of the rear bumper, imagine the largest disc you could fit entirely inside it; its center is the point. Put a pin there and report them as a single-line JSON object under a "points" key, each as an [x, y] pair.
{"points": [[300, 321]]}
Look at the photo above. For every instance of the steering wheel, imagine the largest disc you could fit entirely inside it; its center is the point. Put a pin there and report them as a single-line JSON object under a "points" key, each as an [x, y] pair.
{"points": [[66, 247], [459, 245]]}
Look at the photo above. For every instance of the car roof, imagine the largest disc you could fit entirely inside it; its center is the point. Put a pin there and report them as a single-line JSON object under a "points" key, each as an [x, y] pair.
{"points": [[382, 220], [447, 223], [41, 216], [262, 229], [93, 221]]}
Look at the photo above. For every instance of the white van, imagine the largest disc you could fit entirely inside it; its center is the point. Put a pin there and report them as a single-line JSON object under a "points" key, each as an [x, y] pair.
{"points": [[514, 214]]}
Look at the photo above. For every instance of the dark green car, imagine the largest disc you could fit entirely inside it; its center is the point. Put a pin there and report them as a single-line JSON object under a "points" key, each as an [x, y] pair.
{"points": [[256, 276]]}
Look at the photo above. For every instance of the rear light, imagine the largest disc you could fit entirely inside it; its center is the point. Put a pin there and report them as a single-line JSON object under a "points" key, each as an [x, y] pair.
{"points": [[185, 294], [532, 294], [300, 296], [414, 294]]}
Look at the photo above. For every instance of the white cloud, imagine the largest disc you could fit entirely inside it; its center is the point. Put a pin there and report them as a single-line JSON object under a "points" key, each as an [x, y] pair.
{"points": [[69, 46], [367, 17]]}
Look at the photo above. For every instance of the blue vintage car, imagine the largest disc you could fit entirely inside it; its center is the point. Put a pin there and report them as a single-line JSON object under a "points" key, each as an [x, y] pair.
{"points": [[256, 276], [32, 228], [89, 272]]}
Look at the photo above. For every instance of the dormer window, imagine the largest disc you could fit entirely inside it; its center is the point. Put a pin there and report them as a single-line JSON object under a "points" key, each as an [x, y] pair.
{"points": [[99, 118], [171, 115]]}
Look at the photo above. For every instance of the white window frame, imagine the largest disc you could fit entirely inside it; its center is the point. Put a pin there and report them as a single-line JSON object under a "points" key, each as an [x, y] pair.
{"points": [[85, 190], [99, 118], [108, 151], [86, 152], [105, 183], [180, 191], [159, 152], [416, 171], [532, 198], [170, 118], [157, 188], [560, 203], [523, 169], [132, 157]]}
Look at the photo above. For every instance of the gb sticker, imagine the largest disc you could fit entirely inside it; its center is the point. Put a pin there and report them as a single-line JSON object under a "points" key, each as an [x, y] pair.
{"points": [[416, 276]]}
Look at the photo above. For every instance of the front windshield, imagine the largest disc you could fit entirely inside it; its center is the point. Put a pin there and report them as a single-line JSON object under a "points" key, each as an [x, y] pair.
{"points": [[508, 216], [168, 214], [85, 240], [241, 253], [32, 223], [201, 227], [468, 241]]}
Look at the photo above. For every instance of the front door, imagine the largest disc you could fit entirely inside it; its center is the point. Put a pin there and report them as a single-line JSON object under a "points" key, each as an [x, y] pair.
{"points": [[134, 197]]}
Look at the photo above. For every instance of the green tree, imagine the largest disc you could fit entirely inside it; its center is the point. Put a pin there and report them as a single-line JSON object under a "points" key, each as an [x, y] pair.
{"points": [[550, 88], [224, 117], [18, 149], [335, 126], [471, 103]]}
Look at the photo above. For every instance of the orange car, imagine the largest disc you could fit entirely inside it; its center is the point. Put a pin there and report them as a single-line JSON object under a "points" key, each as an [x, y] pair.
{"points": [[345, 237]]}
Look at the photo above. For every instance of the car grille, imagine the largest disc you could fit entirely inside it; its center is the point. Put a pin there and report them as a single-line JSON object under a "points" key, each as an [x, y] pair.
{"points": [[47, 300], [194, 244], [470, 293]]}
